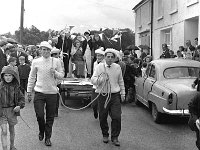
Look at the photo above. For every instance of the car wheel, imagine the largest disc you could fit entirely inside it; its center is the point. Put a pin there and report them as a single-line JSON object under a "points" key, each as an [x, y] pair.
{"points": [[155, 114]]}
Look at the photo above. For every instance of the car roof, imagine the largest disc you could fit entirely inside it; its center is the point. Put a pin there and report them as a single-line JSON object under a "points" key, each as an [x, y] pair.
{"points": [[172, 62]]}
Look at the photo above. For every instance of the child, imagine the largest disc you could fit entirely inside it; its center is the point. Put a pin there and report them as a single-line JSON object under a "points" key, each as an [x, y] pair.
{"points": [[11, 101], [24, 70], [12, 61], [143, 69]]}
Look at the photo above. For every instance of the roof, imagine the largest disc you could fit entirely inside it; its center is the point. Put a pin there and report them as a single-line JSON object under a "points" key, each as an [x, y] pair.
{"points": [[141, 2], [172, 62]]}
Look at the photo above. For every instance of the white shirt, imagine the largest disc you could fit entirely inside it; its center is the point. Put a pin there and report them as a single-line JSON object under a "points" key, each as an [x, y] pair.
{"points": [[115, 78]]}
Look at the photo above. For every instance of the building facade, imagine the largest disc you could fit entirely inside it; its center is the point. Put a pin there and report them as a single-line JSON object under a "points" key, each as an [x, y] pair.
{"points": [[169, 21]]}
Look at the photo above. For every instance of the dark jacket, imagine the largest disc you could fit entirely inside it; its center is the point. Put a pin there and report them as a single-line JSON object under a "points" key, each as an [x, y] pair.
{"points": [[24, 71], [194, 109], [197, 82], [3, 61], [19, 99], [67, 45]]}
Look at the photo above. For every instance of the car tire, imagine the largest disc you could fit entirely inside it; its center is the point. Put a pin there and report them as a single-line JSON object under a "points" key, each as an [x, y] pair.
{"points": [[157, 116]]}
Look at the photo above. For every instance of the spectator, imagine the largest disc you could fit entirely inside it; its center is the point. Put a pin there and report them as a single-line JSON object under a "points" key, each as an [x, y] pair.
{"points": [[196, 42], [143, 69], [12, 100], [179, 54], [24, 70], [19, 52], [172, 55], [196, 55], [189, 50], [165, 53]]}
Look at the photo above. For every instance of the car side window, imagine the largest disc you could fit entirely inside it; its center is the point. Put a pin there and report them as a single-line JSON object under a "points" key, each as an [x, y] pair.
{"points": [[152, 72]]}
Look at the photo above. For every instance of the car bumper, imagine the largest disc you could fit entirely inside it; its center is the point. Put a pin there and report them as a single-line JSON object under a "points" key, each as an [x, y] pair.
{"points": [[176, 112]]}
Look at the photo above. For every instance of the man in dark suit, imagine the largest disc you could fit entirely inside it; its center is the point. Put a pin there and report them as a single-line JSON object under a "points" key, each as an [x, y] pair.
{"points": [[66, 48], [20, 52], [3, 60]]}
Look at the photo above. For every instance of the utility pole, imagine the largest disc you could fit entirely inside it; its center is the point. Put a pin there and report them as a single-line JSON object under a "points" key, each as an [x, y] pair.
{"points": [[21, 21]]}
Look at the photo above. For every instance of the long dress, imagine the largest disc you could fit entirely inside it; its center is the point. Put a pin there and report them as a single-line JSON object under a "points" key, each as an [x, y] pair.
{"points": [[78, 60], [88, 59]]}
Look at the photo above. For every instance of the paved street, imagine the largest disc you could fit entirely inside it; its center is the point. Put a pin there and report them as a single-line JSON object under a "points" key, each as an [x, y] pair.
{"points": [[78, 130]]}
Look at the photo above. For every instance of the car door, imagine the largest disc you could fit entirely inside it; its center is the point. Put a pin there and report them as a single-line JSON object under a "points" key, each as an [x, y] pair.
{"points": [[139, 85], [151, 79]]}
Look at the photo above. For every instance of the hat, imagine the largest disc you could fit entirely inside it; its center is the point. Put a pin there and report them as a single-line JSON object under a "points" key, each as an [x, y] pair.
{"points": [[111, 50], [3, 42], [100, 51], [45, 44], [55, 50]]}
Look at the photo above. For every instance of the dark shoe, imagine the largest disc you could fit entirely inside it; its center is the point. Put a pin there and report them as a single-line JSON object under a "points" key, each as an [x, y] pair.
{"points": [[13, 148], [116, 142], [41, 136], [95, 114], [105, 139], [47, 142]]}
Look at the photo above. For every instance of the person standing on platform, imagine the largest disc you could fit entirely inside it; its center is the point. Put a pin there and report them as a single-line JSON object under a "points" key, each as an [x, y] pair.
{"points": [[100, 59], [43, 75], [110, 73], [88, 52], [65, 45]]}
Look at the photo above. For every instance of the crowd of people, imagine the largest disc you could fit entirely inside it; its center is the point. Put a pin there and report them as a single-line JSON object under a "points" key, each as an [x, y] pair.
{"points": [[41, 68]]}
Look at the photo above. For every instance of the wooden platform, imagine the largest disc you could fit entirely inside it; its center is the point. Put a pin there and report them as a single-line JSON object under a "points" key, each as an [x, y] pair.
{"points": [[73, 87]]}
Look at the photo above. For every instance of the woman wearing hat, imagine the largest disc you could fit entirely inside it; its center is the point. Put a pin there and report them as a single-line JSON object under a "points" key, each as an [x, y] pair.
{"points": [[78, 59]]}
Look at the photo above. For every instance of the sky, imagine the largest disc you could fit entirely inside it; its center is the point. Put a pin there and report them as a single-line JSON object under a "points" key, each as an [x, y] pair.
{"points": [[57, 14]]}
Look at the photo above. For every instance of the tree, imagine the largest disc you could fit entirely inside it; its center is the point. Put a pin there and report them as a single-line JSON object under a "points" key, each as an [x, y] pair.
{"points": [[32, 36]]}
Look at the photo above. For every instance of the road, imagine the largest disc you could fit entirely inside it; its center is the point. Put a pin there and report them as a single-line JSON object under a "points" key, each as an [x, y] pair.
{"points": [[78, 130]]}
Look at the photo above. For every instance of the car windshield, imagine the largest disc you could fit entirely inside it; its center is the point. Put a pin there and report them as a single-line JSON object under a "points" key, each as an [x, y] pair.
{"points": [[181, 72]]}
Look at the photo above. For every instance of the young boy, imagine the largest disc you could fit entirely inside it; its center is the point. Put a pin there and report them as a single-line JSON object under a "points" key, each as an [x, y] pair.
{"points": [[11, 101], [12, 61], [24, 70]]}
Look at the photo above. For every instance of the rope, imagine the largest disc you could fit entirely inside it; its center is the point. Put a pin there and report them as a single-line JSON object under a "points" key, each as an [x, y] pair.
{"points": [[106, 84]]}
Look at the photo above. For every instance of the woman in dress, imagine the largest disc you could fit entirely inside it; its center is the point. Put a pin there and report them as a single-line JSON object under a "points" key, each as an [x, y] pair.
{"points": [[78, 59]]}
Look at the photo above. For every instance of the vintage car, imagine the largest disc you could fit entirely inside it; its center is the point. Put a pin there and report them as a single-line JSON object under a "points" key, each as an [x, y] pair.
{"points": [[166, 87]]}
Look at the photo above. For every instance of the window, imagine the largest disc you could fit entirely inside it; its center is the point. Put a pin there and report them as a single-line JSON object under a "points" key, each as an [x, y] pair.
{"points": [[139, 17], [174, 7], [181, 72], [152, 72], [191, 2], [160, 8], [167, 37]]}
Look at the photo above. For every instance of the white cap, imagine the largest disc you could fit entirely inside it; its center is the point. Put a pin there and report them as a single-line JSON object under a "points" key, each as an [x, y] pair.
{"points": [[55, 50], [100, 51], [45, 44], [111, 50]]}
